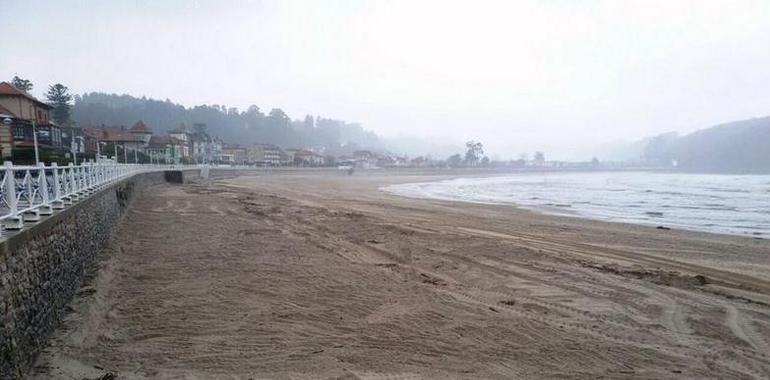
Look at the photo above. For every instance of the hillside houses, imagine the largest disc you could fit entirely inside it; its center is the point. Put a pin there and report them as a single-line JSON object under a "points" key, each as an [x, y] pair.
{"points": [[23, 117]]}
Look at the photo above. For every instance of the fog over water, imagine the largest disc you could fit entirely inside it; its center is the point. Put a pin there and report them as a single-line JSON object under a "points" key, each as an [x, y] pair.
{"points": [[563, 77]]}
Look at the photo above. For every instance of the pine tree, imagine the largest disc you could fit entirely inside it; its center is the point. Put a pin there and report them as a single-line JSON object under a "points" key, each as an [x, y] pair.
{"points": [[59, 97], [21, 84]]}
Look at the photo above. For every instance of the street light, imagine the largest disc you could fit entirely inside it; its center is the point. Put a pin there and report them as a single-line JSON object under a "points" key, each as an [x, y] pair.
{"points": [[34, 140], [75, 148], [7, 121]]}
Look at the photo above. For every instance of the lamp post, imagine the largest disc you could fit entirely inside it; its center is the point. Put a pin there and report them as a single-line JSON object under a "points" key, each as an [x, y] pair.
{"points": [[8, 121], [74, 147], [34, 141], [115, 145], [99, 149]]}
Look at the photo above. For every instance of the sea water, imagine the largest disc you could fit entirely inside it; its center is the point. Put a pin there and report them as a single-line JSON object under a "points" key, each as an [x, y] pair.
{"points": [[733, 204]]}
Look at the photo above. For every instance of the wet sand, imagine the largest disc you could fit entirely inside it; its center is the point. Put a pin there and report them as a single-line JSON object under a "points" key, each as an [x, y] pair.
{"points": [[321, 275]]}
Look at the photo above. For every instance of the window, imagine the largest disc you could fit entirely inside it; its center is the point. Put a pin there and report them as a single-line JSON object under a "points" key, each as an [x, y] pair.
{"points": [[18, 132]]}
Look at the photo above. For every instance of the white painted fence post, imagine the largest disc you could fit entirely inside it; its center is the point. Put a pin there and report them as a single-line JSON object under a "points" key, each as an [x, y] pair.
{"points": [[74, 188], [87, 176], [57, 203], [15, 221], [42, 181]]}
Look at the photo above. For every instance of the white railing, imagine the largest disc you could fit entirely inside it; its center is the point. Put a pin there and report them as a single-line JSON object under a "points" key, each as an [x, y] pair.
{"points": [[29, 192]]}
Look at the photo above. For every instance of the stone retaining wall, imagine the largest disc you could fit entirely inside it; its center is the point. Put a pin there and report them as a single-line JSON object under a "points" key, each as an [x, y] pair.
{"points": [[42, 266]]}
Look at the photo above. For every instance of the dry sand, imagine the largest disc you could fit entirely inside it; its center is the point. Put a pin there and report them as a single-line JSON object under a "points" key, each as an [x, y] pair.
{"points": [[321, 275]]}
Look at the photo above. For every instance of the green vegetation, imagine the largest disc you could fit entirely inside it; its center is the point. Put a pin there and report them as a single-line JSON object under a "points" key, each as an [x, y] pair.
{"points": [[59, 97], [335, 137], [22, 84]]}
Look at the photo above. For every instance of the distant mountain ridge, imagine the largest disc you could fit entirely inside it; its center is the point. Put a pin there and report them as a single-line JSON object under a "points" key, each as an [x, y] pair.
{"points": [[735, 147]]}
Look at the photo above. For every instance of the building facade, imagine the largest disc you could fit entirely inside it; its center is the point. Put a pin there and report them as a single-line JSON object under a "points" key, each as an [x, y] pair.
{"points": [[234, 154], [265, 154], [27, 117]]}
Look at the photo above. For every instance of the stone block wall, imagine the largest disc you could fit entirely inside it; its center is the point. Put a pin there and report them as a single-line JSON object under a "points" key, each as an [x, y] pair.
{"points": [[42, 266]]}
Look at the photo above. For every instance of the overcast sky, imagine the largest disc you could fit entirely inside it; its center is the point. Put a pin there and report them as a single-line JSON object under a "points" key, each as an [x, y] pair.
{"points": [[560, 76]]}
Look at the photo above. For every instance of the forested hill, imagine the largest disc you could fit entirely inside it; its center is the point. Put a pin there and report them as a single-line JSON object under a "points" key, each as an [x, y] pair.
{"points": [[233, 126], [737, 147]]}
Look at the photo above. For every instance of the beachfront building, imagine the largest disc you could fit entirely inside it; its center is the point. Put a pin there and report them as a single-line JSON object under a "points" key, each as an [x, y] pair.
{"points": [[304, 157], [165, 149], [265, 154], [364, 159], [22, 105], [112, 139], [183, 134], [205, 149], [233, 154], [23, 109], [141, 132], [6, 132]]}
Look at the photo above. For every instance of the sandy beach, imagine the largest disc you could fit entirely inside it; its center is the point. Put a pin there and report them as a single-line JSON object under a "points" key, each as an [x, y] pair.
{"points": [[317, 274]]}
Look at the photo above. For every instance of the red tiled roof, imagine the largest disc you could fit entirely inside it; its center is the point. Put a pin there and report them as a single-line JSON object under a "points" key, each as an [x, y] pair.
{"points": [[9, 90], [161, 140], [111, 134], [139, 127]]}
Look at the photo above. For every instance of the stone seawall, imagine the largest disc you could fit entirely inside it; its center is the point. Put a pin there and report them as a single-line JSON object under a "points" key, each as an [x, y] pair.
{"points": [[42, 266]]}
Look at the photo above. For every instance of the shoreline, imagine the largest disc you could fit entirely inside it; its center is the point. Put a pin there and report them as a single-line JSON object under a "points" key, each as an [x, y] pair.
{"points": [[415, 190]]}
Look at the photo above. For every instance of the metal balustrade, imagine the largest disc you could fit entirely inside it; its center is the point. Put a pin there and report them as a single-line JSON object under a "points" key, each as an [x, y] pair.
{"points": [[29, 192]]}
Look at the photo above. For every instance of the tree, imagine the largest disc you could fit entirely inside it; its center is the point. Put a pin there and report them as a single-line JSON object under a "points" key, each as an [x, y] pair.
{"points": [[200, 129], [309, 123], [474, 152], [485, 161], [59, 97], [21, 84], [279, 118], [253, 110], [251, 126], [454, 160], [539, 158]]}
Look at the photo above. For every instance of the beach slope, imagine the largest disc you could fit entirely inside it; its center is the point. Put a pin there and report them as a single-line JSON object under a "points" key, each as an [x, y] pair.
{"points": [[322, 275]]}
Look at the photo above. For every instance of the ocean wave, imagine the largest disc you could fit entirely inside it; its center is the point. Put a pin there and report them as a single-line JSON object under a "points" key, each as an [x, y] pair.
{"points": [[688, 200]]}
